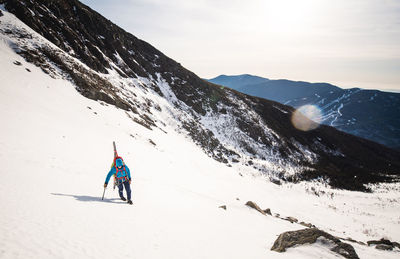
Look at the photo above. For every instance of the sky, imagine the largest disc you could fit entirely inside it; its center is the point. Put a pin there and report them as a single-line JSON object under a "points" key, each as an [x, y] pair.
{"points": [[350, 43]]}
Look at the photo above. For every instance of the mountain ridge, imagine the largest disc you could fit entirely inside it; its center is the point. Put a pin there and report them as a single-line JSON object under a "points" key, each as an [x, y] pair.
{"points": [[356, 111]]}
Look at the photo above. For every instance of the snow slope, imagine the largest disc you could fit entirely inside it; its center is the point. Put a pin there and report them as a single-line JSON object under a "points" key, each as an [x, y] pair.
{"points": [[55, 151]]}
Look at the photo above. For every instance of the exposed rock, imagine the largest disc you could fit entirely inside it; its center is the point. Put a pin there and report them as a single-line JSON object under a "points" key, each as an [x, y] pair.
{"points": [[346, 250], [291, 219], [276, 181], [310, 236], [17, 63], [268, 211], [255, 206], [385, 242], [1, 13], [222, 207], [384, 247], [309, 225]]}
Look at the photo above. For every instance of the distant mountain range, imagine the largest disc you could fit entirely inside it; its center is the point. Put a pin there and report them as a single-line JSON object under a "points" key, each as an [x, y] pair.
{"points": [[371, 114]]}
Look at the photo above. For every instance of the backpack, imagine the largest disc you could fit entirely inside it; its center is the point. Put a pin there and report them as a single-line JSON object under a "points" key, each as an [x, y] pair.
{"points": [[121, 175]]}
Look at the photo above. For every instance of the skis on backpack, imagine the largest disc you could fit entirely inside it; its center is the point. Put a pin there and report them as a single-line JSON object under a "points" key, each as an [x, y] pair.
{"points": [[113, 164]]}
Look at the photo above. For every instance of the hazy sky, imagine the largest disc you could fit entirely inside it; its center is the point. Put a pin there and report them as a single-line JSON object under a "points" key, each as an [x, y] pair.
{"points": [[350, 43]]}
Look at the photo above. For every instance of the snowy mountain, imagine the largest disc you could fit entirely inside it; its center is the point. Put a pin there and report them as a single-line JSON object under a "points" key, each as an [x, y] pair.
{"points": [[369, 114], [110, 65], [72, 82]]}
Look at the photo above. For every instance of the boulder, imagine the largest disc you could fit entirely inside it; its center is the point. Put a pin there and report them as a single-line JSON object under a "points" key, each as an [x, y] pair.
{"points": [[222, 207], [310, 236]]}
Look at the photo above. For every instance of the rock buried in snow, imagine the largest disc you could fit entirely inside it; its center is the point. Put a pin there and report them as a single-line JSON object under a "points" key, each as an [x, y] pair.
{"points": [[384, 247], [309, 225], [255, 206], [292, 219], [355, 241], [310, 236], [222, 207]]}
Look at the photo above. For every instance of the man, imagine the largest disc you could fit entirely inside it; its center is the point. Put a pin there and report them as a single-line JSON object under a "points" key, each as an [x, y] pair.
{"points": [[122, 177]]}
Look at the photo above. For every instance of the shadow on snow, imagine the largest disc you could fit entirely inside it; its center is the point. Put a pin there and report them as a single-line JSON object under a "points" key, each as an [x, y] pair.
{"points": [[86, 198]]}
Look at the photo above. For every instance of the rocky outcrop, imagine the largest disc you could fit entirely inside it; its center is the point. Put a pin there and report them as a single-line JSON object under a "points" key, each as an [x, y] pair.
{"points": [[268, 211], [309, 225], [384, 244], [310, 236], [253, 205], [292, 219]]}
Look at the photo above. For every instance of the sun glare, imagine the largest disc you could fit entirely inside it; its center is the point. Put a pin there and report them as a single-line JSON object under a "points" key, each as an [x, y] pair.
{"points": [[307, 117]]}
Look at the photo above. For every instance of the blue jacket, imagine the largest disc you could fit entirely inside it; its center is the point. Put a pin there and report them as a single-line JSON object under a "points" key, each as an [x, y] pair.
{"points": [[121, 172]]}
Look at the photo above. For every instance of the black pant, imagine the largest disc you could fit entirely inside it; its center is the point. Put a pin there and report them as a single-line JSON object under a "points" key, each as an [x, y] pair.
{"points": [[127, 189]]}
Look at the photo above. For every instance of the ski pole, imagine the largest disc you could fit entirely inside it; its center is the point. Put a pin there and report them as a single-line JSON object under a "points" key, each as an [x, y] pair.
{"points": [[103, 193]]}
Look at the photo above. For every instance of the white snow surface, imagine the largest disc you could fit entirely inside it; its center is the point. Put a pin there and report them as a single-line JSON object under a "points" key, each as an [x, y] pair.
{"points": [[56, 149]]}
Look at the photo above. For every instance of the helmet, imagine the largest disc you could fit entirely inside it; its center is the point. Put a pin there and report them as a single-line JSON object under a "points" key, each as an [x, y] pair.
{"points": [[119, 162]]}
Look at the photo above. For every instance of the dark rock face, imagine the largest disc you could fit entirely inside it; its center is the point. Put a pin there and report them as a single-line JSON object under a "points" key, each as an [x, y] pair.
{"points": [[310, 236], [263, 129]]}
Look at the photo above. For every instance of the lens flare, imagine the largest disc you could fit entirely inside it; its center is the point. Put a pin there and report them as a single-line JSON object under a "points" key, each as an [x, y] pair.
{"points": [[307, 117]]}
